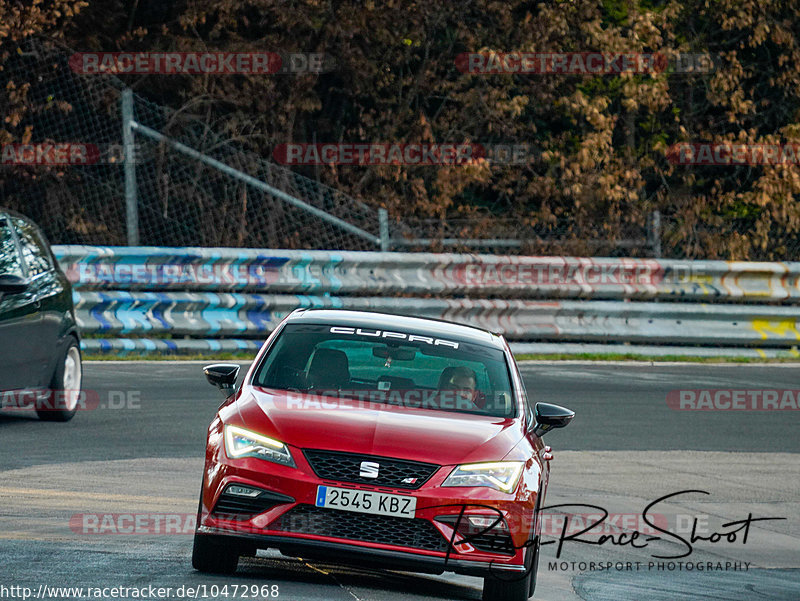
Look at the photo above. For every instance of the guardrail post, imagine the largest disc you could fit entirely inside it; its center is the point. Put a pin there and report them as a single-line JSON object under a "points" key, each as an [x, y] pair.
{"points": [[654, 233], [383, 222], [131, 206]]}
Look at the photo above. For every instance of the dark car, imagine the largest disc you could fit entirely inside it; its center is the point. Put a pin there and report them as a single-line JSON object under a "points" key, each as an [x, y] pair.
{"points": [[40, 359], [379, 440]]}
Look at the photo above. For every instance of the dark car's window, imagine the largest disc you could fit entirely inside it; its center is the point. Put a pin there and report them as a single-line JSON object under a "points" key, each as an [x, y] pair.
{"points": [[9, 257], [413, 369], [34, 248]]}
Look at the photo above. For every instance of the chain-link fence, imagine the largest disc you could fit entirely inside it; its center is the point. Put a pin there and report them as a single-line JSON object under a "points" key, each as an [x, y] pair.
{"points": [[181, 200], [186, 185]]}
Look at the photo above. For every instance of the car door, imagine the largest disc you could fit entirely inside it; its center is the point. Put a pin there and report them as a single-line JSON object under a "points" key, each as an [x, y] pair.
{"points": [[44, 290], [20, 320]]}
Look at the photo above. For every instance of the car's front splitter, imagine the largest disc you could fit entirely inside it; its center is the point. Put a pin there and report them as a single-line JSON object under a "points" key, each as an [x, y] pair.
{"points": [[351, 553]]}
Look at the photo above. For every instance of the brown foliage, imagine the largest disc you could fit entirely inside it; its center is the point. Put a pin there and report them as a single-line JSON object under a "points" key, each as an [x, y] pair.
{"points": [[602, 140]]}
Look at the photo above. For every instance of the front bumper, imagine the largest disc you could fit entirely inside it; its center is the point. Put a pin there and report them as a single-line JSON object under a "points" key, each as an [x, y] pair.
{"points": [[299, 486]]}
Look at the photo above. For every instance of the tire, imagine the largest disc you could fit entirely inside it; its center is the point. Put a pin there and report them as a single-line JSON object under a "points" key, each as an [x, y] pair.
{"points": [[211, 555], [534, 568], [65, 386], [503, 588]]}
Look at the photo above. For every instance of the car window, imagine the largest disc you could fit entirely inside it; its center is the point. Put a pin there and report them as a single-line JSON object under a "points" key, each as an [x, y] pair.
{"points": [[423, 370], [34, 249], [398, 368], [9, 257]]}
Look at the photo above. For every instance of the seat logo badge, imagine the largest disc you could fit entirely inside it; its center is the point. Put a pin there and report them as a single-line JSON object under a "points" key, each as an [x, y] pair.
{"points": [[369, 469]]}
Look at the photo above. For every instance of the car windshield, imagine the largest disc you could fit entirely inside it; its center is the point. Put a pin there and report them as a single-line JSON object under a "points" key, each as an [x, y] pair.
{"points": [[379, 366]]}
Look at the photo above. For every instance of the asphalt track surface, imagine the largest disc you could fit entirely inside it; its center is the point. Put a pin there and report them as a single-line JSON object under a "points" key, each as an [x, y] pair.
{"points": [[626, 448]]}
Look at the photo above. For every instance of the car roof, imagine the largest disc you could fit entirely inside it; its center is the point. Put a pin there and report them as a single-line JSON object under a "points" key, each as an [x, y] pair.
{"points": [[385, 321], [4, 212]]}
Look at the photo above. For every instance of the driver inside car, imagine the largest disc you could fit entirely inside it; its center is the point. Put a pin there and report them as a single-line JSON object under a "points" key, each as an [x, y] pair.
{"points": [[463, 381]]}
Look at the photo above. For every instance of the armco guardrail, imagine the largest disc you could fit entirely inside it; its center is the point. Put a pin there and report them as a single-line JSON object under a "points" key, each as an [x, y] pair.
{"points": [[210, 315], [377, 273], [229, 299]]}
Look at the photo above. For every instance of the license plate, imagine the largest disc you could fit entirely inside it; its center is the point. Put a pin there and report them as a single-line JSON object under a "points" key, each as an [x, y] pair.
{"points": [[363, 501]]}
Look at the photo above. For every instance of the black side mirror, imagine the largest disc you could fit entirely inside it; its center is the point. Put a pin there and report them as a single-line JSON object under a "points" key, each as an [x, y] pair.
{"points": [[223, 376], [549, 417], [12, 284]]}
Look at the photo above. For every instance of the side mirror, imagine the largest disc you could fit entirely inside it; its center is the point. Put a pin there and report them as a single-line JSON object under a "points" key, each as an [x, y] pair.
{"points": [[223, 376], [11, 284], [549, 417]]}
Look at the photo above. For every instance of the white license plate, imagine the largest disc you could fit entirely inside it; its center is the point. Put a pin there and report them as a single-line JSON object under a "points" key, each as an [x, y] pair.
{"points": [[362, 501]]}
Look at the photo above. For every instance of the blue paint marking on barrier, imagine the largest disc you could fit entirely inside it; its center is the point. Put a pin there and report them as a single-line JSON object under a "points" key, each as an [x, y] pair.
{"points": [[212, 314], [97, 312], [260, 316], [330, 272], [253, 315], [159, 299], [310, 282], [131, 315]]}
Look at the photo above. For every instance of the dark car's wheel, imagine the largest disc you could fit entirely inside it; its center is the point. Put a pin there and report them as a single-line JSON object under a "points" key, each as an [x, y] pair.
{"points": [[65, 387], [211, 555]]}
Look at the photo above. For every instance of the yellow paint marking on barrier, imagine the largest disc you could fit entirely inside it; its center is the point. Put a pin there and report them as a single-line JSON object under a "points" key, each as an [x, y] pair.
{"points": [[783, 329]]}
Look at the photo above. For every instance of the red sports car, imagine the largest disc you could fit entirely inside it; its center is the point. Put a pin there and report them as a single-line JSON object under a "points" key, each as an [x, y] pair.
{"points": [[380, 441]]}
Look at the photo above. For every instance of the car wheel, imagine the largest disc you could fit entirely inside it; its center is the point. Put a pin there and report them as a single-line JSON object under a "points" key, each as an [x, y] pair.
{"points": [[65, 386], [503, 588], [210, 555]]}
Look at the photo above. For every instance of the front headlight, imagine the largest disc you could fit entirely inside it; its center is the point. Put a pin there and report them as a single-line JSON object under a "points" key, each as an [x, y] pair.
{"points": [[501, 475], [244, 443]]}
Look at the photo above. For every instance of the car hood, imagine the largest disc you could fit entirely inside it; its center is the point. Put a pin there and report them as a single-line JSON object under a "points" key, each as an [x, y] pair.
{"points": [[441, 437]]}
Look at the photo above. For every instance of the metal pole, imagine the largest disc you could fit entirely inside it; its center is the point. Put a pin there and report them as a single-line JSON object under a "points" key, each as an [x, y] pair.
{"points": [[655, 233], [383, 221], [131, 206], [256, 183]]}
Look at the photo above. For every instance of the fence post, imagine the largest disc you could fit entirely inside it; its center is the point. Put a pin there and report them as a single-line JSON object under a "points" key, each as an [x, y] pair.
{"points": [[654, 233], [383, 222], [131, 206]]}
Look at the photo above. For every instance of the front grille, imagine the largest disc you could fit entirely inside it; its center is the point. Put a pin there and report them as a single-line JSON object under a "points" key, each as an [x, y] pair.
{"points": [[236, 507], [345, 467], [387, 530]]}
